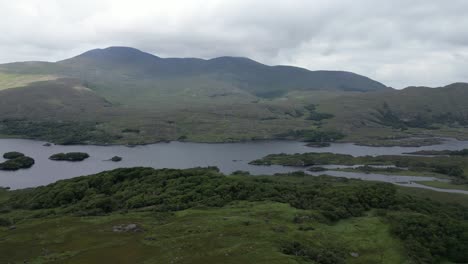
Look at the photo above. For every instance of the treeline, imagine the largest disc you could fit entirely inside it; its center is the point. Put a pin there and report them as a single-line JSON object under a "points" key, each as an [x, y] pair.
{"points": [[64, 133]]}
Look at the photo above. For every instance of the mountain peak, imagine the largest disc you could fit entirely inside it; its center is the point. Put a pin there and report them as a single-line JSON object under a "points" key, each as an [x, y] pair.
{"points": [[116, 53]]}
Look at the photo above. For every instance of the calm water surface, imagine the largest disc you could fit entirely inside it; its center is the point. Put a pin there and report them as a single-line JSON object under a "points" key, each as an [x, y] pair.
{"points": [[228, 157]]}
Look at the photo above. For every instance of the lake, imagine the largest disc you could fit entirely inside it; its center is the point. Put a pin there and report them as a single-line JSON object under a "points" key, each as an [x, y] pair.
{"points": [[228, 157]]}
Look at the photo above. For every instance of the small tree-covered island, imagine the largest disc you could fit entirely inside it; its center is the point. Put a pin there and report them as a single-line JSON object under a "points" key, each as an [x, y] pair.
{"points": [[15, 161], [70, 156], [116, 159]]}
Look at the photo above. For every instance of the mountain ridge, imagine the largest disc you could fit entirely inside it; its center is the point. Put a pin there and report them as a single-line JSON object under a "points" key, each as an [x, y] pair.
{"points": [[254, 77]]}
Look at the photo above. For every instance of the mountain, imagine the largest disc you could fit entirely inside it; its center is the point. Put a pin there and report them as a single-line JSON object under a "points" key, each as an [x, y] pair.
{"points": [[116, 65], [124, 95]]}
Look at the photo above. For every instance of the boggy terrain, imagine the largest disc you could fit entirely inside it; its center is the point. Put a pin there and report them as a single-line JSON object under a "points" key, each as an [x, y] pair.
{"points": [[121, 95], [201, 216]]}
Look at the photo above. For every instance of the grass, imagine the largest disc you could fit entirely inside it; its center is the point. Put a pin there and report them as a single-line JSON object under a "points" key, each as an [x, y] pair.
{"points": [[4, 194], [11, 80], [243, 232], [370, 237]]}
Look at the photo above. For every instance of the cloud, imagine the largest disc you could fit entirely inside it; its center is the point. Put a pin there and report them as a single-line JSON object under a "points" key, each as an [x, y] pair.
{"points": [[399, 43]]}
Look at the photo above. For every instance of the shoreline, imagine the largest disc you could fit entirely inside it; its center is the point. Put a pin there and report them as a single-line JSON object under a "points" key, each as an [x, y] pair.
{"points": [[436, 141]]}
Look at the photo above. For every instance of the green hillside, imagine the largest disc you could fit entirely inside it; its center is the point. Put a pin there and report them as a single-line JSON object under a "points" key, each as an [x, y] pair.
{"points": [[398, 113], [201, 216], [116, 90]]}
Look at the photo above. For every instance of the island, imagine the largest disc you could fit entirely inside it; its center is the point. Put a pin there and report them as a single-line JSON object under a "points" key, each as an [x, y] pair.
{"points": [[116, 159], [15, 161], [71, 156]]}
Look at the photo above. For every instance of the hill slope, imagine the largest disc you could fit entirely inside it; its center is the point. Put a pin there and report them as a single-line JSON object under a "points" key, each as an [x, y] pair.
{"points": [[216, 100], [423, 110], [115, 68]]}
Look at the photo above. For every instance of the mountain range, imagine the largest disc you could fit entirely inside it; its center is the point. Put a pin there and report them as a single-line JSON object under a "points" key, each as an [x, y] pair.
{"points": [[124, 95]]}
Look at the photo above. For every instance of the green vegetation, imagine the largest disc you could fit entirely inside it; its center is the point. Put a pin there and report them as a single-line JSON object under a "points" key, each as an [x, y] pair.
{"points": [[455, 167], [396, 171], [15, 161], [314, 136], [71, 156], [463, 152], [13, 155], [317, 116], [400, 117], [201, 216], [8, 80], [64, 133]]}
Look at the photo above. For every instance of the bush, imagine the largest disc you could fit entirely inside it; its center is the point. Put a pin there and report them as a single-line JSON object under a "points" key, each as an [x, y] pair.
{"points": [[5, 222], [428, 238]]}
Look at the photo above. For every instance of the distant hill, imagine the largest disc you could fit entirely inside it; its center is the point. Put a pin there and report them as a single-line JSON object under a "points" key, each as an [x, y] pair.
{"points": [[429, 109], [116, 66]]}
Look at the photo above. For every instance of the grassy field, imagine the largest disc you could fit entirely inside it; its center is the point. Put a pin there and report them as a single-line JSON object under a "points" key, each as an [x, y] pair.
{"points": [[11, 80], [243, 232]]}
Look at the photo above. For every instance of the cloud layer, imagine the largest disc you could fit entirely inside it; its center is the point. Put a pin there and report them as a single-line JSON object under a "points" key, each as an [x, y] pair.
{"points": [[398, 42]]}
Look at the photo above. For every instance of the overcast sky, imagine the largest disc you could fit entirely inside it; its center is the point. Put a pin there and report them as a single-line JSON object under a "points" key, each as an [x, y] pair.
{"points": [[399, 43]]}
